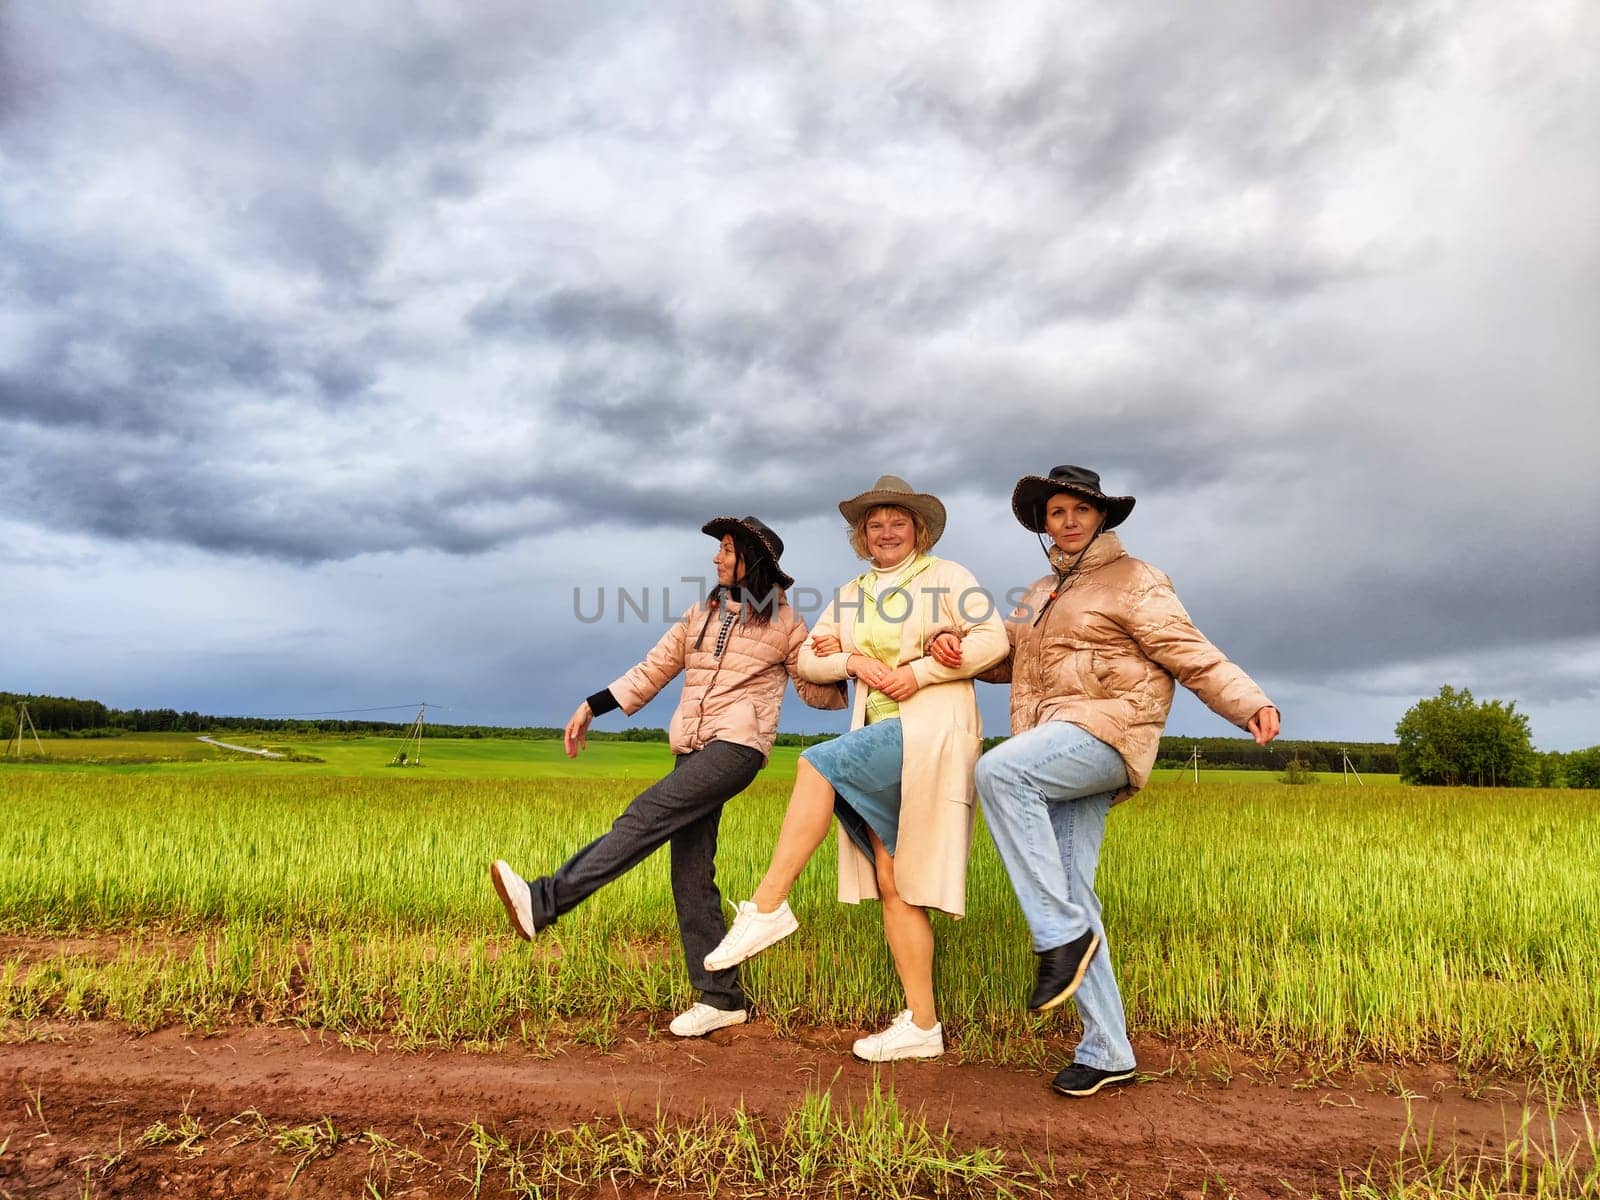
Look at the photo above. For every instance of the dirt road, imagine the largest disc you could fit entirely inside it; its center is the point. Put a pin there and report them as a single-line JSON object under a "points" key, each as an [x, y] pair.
{"points": [[69, 1106]]}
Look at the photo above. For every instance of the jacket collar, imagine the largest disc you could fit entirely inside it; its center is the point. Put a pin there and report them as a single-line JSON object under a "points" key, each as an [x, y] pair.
{"points": [[1107, 548]]}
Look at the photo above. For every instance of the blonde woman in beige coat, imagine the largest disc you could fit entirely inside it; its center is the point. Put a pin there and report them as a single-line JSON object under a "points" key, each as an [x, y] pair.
{"points": [[900, 781]]}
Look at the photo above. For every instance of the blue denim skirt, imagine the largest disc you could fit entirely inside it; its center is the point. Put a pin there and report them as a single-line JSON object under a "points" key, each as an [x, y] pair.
{"points": [[864, 768]]}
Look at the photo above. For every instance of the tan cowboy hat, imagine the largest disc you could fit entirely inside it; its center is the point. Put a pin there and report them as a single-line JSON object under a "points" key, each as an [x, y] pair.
{"points": [[892, 490]]}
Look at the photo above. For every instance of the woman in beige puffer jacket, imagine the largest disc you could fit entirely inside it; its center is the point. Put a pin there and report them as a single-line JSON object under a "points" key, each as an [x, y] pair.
{"points": [[1095, 647]]}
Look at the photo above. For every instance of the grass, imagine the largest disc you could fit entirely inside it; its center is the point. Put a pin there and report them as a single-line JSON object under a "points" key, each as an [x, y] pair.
{"points": [[182, 755], [1332, 923], [366, 756], [1538, 1164], [816, 1149]]}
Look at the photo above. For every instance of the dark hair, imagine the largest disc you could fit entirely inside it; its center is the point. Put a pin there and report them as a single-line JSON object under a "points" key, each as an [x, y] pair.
{"points": [[760, 582]]}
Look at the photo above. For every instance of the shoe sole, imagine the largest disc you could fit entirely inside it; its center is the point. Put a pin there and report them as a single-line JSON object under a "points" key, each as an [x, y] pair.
{"points": [[738, 1020], [1083, 969], [505, 898], [1108, 1081], [939, 1053], [722, 964]]}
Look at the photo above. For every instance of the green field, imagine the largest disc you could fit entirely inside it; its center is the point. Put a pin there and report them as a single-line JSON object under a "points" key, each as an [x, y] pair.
{"points": [[442, 758], [1325, 922]]}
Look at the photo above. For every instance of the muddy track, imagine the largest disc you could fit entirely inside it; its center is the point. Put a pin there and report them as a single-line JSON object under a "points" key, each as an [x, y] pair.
{"points": [[100, 1088]]}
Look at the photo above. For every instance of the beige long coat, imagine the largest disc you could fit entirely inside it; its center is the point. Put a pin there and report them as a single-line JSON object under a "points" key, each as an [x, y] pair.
{"points": [[940, 729]]}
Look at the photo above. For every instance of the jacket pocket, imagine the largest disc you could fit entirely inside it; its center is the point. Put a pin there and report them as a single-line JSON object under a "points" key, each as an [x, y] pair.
{"points": [[1088, 668], [961, 758]]}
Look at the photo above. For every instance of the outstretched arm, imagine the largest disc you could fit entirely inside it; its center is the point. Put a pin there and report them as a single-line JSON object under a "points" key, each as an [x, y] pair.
{"points": [[640, 685], [1163, 630]]}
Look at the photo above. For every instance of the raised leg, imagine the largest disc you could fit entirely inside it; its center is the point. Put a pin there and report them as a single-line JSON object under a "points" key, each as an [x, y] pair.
{"points": [[699, 783], [805, 825]]}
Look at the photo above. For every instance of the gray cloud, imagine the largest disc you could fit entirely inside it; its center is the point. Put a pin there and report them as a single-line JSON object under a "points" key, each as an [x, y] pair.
{"points": [[577, 316], [1315, 283]]}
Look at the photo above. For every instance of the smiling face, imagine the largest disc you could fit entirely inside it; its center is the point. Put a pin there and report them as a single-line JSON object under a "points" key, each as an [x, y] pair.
{"points": [[1071, 521], [730, 568], [890, 534]]}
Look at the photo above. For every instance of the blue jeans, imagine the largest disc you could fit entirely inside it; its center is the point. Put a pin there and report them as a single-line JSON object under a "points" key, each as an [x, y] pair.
{"points": [[1046, 794]]}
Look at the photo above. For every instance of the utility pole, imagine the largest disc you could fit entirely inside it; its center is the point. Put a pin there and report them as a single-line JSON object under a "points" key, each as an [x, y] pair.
{"points": [[1349, 768], [1194, 759], [24, 719], [412, 742]]}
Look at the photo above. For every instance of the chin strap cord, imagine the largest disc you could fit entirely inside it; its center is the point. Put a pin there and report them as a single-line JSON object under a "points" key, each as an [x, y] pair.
{"points": [[1066, 575]]}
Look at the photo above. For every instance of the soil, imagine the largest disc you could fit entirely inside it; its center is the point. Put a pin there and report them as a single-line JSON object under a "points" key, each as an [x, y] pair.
{"points": [[75, 1099]]}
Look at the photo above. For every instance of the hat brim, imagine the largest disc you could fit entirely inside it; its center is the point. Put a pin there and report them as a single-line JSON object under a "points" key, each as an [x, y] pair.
{"points": [[929, 507], [719, 527], [1032, 491]]}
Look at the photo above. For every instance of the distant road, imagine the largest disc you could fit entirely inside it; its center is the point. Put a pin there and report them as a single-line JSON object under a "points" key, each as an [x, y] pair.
{"points": [[211, 741]]}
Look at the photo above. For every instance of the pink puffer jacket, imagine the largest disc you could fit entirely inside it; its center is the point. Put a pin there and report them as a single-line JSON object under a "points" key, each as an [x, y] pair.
{"points": [[732, 696]]}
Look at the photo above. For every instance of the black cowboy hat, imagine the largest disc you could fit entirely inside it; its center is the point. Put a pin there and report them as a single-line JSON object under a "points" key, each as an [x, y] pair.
{"points": [[1028, 499], [751, 532]]}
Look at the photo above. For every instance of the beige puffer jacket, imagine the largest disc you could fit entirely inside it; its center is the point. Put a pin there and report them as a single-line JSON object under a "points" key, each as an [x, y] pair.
{"points": [[731, 696], [1105, 654]]}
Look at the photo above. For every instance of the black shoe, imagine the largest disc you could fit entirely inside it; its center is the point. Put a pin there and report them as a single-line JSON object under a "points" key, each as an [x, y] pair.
{"points": [[1061, 970], [1079, 1080]]}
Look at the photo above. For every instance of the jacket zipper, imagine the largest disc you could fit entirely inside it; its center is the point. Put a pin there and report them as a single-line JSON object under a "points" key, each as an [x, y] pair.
{"points": [[724, 636]]}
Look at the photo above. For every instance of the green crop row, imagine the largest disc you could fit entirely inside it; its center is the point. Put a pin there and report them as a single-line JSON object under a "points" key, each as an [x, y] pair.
{"points": [[1335, 923]]}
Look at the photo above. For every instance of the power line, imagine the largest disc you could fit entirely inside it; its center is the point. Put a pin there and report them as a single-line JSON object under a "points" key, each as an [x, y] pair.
{"points": [[344, 712]]}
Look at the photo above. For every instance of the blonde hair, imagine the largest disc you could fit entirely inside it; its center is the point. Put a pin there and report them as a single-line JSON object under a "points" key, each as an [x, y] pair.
{"points": [[858, 531]]}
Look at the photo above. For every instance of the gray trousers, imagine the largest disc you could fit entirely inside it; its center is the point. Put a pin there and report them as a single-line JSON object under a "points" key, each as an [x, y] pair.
{"points": [[685, 809]]}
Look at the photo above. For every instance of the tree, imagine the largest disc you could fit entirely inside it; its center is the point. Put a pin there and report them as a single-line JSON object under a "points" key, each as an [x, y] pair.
{"points": [[1583, 768], [1552, 769], [1453, 740]]}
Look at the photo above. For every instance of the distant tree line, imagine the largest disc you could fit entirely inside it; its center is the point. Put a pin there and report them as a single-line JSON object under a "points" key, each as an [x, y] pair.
{"points": [[1454, 740], [58, 716], [1242, 754], [52, 714], [1446, 739]]}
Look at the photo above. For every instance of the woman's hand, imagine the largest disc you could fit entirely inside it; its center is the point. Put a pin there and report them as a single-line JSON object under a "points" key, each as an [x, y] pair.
{"points": [[824, 644], [901, 684], [1264, 725], [577, 733], [867, 669], [946, 649]]}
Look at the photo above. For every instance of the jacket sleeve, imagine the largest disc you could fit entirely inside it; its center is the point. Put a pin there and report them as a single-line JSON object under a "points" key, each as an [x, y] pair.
{"points": [[640, 684], [820, 668], [983, 642], [1161, 626], [817, 695], [1001, 671]]}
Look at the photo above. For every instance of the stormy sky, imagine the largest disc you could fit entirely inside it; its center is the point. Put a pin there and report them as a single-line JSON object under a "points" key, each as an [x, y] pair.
{"points": [[338, 346]]}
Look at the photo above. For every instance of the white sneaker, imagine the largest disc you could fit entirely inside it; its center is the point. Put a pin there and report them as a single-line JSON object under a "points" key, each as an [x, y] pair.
{"points": [[513, 890], [701, 1019], [751, 933], [903, 1039]]}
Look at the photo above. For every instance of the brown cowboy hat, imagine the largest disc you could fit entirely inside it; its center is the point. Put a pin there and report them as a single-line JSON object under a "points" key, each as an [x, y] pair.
{"points": [[748, 531], [894, 491], [1032, 491]]}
